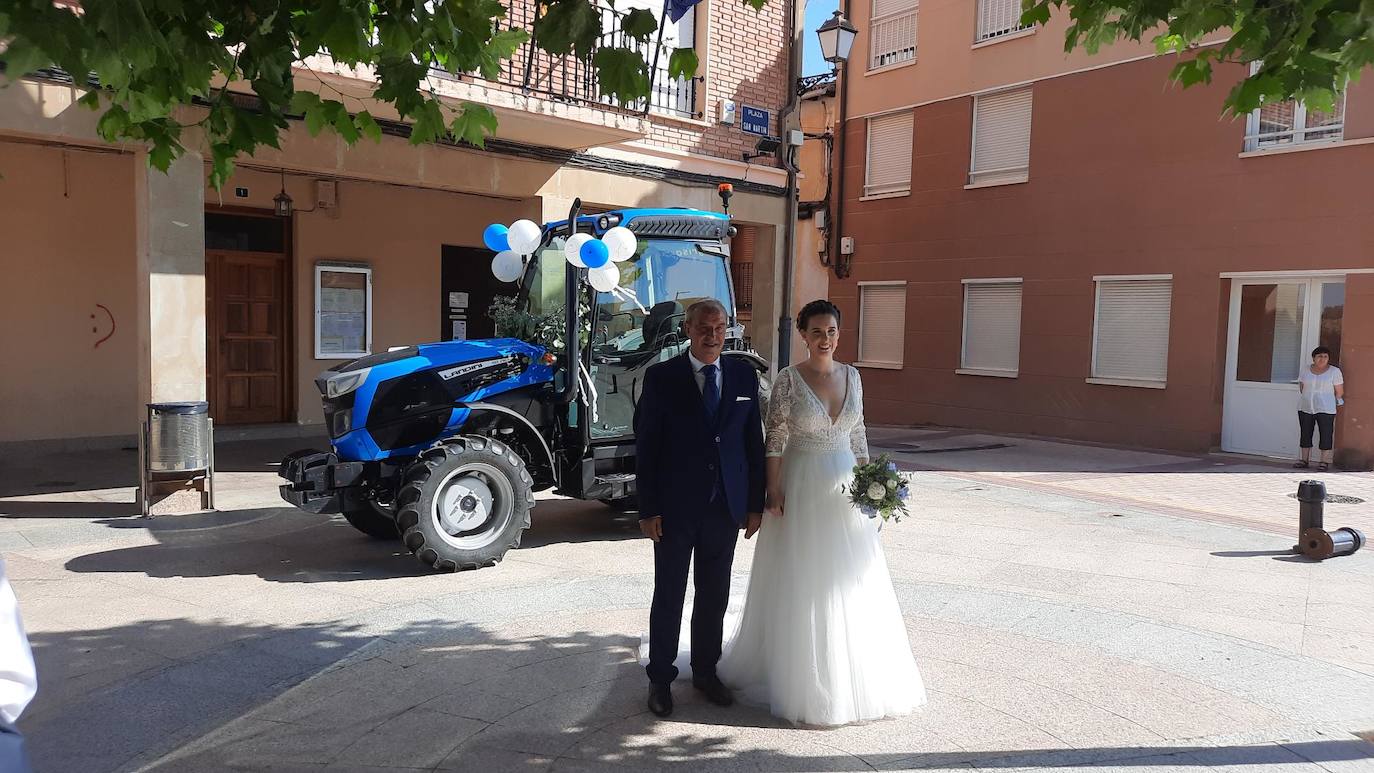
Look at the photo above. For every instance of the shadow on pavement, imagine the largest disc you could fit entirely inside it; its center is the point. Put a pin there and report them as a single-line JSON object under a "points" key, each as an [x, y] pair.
{"points": [[440, 694], [281, 544]]}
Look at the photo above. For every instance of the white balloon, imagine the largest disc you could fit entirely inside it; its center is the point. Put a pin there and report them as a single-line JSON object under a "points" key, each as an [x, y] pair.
{"points": [[507, 266], [572, 249], [524, 236], [604, 279], [622, 243]]}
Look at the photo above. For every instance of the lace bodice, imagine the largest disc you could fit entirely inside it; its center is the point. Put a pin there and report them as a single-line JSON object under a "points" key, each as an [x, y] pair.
{"points": [[797, 417]]}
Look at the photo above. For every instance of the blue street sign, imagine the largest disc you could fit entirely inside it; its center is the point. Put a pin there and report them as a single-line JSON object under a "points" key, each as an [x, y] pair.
{"points": [[754, 121]]}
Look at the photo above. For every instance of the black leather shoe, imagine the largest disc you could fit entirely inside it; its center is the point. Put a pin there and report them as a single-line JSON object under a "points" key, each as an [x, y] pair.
{"points": [[714, 690], [660, 699]]}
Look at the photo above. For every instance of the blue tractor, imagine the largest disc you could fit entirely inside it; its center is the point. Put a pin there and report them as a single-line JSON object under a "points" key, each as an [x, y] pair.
{"points": [[443, 445]]}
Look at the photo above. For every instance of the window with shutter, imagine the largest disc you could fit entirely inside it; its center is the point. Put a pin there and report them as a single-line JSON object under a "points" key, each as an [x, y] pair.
{"points": [[992, 327], [1001, 138], [892, 33], [998, 17], [882, 321], [888, 166], [1131, 331]]}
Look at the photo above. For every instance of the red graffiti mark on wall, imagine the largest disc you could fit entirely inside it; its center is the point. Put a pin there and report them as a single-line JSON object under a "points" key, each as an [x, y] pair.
{"points": [[109, 335]]}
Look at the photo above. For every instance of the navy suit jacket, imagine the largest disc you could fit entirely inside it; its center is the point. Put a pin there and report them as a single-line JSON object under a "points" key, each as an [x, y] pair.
{"points": [[679, 453]]}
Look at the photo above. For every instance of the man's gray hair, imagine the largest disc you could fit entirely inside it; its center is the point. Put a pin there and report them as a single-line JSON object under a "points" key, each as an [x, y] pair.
{"points": [[705, 304]]}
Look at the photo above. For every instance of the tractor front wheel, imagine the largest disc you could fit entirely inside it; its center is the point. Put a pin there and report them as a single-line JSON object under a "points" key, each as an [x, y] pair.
{"points": [[464, 503]]}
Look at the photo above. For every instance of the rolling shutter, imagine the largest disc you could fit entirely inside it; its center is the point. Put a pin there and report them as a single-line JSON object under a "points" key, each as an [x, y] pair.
{"points": [[1001, 137], [1132, 337], [889, 154], [992, 326], [882, 322]]}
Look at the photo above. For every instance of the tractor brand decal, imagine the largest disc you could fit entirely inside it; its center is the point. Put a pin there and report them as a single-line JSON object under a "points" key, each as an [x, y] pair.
{"points": [[473, 367]]}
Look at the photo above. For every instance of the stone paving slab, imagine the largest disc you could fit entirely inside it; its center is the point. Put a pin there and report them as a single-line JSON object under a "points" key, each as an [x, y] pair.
{"points": [[1054, 629]]}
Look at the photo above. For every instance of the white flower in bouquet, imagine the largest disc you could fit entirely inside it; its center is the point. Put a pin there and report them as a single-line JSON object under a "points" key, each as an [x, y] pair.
{"points": [[892, 485], [876, 492]]}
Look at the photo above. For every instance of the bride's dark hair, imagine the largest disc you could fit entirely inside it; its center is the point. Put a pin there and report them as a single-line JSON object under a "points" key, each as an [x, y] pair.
{"points": [[815, 309]]}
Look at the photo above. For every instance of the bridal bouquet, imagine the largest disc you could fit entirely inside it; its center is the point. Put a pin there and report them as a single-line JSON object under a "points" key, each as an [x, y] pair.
{"points": [[879, 490]]}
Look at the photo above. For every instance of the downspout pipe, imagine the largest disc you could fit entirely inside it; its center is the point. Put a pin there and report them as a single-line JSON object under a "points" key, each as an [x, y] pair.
{"points": [[789, 239]]}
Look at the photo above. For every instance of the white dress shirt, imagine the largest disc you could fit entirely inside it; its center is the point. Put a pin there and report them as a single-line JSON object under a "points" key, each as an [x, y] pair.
{"points": [[697, 365], [18, 680]]}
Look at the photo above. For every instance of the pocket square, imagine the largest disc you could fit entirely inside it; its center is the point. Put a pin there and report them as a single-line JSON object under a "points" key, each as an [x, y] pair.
{"points": [[743, 399]]}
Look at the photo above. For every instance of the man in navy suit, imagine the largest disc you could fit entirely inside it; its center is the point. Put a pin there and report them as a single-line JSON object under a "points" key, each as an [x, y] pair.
{"points": [[700, 479]]}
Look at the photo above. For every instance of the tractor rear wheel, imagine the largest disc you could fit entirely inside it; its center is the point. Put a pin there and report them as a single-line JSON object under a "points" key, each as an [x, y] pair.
{"points": [[464, 503]]}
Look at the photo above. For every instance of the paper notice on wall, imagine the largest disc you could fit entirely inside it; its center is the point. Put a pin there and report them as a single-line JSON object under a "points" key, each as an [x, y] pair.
{"points": [[460, 330], [457, 300], [343, 332]]}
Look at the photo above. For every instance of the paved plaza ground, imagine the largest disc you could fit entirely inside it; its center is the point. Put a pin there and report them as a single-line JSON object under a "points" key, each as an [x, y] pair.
{"points": [[1069, 605]]}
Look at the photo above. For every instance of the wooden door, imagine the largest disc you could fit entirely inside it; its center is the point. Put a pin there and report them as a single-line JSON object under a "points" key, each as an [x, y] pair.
{"points": [[246, 305]]}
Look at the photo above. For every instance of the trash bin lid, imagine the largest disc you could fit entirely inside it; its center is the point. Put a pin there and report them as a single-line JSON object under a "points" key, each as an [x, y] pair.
{"points": [[179, 408]]}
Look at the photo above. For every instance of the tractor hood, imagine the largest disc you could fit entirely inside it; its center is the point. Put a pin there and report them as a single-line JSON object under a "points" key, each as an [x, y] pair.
{"points": [[394, 400]]}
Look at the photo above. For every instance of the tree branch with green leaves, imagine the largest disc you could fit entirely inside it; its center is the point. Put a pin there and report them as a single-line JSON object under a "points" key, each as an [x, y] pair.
{"points": [[1299, 49], [150, 63]]}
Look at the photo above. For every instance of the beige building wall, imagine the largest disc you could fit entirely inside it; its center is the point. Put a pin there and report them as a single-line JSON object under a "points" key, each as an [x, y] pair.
{"points": [[69, 319], [399, 232]]}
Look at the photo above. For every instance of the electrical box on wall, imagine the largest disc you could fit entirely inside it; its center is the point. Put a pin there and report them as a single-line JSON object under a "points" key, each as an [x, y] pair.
{"points": [[326, 194], [727, 112], [796, 138], [846, 245]]}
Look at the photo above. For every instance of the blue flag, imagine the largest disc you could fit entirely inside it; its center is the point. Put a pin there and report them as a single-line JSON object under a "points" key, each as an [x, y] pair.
{"points": [[676, 9]]}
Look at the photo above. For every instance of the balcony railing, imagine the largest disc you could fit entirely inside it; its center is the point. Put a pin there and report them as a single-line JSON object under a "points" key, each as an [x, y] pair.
{"points": [[570, 78]]}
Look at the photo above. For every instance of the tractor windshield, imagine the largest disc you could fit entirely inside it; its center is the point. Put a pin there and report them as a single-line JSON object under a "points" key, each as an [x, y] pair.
{"points": [[657, 286]]}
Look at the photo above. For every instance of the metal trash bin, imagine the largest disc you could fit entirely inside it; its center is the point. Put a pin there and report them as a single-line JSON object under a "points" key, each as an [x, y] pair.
{"points": [[177, 452], [178, 437]]}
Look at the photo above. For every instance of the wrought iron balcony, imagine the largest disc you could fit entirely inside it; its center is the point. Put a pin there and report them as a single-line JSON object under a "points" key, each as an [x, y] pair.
{"points": [[573, 79]]}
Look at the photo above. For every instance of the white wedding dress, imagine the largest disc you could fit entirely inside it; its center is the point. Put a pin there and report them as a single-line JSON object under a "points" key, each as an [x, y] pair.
{"points": [[821, 639]]}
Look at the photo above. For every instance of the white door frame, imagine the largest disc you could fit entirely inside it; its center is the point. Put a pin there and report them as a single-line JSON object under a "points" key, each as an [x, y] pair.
{"points": [[1312, 282]]}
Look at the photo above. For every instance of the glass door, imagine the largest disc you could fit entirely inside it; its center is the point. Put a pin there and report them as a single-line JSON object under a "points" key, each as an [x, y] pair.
{"points": [[1274, 325]]}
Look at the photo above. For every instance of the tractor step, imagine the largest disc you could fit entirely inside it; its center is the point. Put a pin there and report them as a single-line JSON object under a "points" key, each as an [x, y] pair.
{"points": [[612, 485]]}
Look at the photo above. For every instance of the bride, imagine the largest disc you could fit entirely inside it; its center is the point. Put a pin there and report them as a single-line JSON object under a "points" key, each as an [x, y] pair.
{"points": [[821, 639]]}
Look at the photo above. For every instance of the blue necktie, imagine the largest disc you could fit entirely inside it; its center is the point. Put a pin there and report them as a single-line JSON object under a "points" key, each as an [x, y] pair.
{"points": [[710, 393]]}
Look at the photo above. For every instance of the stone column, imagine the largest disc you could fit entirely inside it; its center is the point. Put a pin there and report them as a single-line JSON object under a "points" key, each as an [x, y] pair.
{"points": [[169, 211], [1355, 422]]}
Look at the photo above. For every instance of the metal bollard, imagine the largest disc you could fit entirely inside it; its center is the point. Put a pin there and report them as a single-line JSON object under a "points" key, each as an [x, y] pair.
{"points": [[1311, 500], [1320, 544]]}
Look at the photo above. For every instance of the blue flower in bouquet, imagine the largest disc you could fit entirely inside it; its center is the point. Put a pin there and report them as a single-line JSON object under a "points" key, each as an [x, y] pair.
{"points": [[891, 466], [903, 493], [869, 511]]}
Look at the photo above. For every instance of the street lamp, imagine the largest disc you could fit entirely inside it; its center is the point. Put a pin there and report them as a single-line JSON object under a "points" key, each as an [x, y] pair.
{"points": [[837, 37]]}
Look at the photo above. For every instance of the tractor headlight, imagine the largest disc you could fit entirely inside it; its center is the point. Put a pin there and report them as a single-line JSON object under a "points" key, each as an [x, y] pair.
{"points": [[344, 383]]}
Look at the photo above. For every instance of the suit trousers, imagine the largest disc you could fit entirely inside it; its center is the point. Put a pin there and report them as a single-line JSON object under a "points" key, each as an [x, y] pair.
{"points": [[14, 757], [710, 540]]}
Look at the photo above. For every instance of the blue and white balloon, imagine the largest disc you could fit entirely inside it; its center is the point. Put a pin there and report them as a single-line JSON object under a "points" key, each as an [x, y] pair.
{"points": [[507, 266], [495, 238], [622, 243], [524, 236], [604, 279], [572, 249], [595, 254]]}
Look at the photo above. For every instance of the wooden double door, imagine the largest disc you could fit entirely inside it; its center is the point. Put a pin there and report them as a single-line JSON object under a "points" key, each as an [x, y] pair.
{"points": [[247, 317]]}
